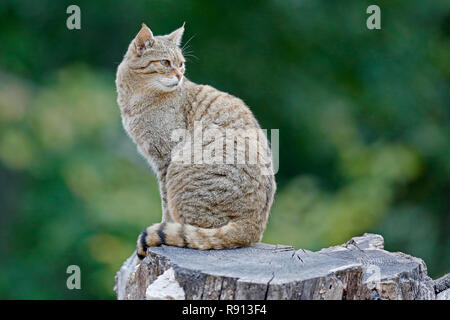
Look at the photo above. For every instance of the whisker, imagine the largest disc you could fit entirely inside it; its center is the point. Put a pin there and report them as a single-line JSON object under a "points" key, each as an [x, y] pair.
{"points": [[185, 53], [185, 48], [187, 42], [191, 55]]}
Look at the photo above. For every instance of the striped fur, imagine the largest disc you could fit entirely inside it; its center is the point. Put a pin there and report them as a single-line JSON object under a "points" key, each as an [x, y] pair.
{"points": [[188, 236], [204, 206]]}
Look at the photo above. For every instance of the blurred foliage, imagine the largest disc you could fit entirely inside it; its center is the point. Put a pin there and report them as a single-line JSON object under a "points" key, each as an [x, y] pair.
{"points": [[363, 118]]}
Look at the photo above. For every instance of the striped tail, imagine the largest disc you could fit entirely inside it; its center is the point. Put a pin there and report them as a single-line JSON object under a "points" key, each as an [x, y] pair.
{"points": [[231, 235]]}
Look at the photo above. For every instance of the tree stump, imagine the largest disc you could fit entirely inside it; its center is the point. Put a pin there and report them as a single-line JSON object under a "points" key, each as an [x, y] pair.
{"points": [[359, 269]]}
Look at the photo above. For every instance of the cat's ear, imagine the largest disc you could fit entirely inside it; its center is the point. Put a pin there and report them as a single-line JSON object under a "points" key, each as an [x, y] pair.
{"points": [[144, 39], [176, 35]]}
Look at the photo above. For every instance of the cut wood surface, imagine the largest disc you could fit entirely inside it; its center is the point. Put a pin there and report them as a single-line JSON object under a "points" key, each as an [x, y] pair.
{"points": [[359, 269]]}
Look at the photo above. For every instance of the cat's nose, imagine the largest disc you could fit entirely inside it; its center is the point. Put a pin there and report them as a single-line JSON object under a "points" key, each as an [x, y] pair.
{"points": [[179, 76]]}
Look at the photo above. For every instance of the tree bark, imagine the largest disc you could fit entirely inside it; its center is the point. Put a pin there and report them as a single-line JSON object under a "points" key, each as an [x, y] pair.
{"points": [[359, 269]]}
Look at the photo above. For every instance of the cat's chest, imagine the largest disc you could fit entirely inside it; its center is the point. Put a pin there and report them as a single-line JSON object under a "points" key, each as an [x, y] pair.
{"points": [[153, 131]]}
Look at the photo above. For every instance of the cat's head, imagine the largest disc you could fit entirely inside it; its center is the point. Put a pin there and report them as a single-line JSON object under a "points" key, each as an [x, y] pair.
{"points": [[157, 62]]}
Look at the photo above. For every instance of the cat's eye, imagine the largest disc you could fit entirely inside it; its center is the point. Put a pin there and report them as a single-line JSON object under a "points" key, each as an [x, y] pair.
{"points": [[165, 63], [181, 64]]}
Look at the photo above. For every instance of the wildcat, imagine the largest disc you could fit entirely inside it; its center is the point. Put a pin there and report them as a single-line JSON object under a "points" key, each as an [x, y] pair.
{"points": [[204, 205]]}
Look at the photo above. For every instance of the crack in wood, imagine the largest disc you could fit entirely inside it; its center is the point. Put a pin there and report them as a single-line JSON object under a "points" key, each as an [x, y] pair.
{"points": [[338, 272]]}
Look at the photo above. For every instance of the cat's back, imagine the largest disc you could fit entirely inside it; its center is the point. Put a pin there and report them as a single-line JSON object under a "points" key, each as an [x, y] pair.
{"points": [[210, 105]]}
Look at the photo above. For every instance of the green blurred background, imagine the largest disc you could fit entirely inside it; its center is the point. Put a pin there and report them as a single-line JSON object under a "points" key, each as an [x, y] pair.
{"points": [[363, 118]]}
